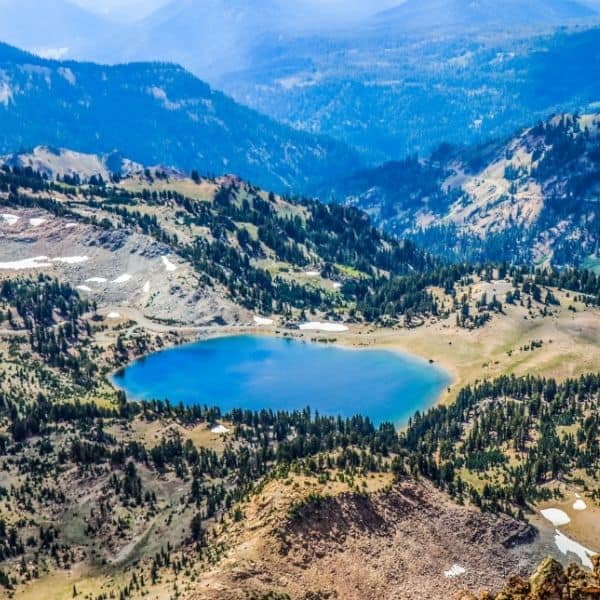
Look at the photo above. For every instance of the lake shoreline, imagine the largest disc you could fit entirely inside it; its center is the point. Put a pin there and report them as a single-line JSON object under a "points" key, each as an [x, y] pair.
{"points": [[408, 383], [349, 340]]}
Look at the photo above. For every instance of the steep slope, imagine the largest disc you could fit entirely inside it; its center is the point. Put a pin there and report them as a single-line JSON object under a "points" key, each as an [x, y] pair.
{"points": [[402, 540], [155, 114], [533, 196], [265, 253]]}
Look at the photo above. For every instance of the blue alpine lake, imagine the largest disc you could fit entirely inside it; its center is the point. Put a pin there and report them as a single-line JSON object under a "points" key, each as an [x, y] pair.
{"points": [[262, 372]]}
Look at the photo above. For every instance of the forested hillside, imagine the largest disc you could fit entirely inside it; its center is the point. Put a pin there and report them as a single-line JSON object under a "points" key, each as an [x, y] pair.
{"points": [[391, 94], [155, 113], [267, 253], [530, 197]]}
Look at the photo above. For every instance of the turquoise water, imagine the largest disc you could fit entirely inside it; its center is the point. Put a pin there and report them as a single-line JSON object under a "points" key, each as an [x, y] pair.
{"points": [[256, 372]]}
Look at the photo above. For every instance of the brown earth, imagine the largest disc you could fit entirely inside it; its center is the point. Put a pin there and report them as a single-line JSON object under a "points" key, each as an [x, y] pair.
{"points": [[397, 542]]}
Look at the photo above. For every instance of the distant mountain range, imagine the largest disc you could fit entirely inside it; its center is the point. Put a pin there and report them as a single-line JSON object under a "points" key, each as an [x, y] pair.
{"points": [[388, 83], [211, 38], [53, 28], [391, 94], [532, 197], [155, 114], [478, 15]]}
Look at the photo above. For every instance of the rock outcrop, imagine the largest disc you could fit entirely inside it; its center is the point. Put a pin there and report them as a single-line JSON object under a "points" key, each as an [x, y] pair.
{"points": [[550, 581]]}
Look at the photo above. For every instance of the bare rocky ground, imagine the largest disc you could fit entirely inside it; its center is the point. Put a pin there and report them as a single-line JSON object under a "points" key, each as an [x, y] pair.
{"points": [[406, 541], [550, 580], [119, 269]]}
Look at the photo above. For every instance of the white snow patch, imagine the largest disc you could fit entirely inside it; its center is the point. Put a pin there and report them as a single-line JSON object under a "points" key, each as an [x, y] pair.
{"points": [[262, 320], [312, 273], [6, 94], [113, 315], [84, 288], [168, 264], [70, 225], [455, 571], [96, 280], [9, 219], [36, 221], [317, 326], [122, 278], [579, 504], [146, 287], [71, 260], [556, 516], [566, 545], [219, 429], [38, 262], [52, 53]]}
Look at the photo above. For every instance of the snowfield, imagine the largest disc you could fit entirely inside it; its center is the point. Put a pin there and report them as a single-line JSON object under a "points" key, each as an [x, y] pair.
{"points": [[556, 516], [122, 278], [168, 264], [41, 262], [318, 326]]}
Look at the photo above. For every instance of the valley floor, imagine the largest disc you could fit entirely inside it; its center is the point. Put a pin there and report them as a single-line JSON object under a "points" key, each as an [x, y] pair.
{"points": [[388, 546]]}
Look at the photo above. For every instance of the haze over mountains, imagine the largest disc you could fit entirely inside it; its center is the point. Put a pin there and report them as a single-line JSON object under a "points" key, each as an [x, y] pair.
{"points": [[399, 80], [154, 113], [445, 15], [131, 30], [388, 78], [53, 28], [391, 95]]}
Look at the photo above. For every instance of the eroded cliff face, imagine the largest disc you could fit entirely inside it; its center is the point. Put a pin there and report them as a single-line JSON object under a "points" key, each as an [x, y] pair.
{"points": [[402, 541], [550, 581]]}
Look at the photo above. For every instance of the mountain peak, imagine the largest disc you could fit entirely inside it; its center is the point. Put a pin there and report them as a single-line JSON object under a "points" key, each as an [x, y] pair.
{"points": [[155, 113], [483, 14]]}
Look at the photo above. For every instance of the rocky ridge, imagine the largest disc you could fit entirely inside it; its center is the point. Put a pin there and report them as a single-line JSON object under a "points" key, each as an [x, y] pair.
{"points": [[550, 581]]}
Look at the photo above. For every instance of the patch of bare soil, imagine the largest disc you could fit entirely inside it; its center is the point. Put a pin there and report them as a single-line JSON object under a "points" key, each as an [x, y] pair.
{"points": [[406, 542]]}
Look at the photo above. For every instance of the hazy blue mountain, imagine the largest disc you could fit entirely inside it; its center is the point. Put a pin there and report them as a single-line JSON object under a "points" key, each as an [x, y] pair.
{"points": [[210, 38], [391, 84], [155, 114], [56, 28], [217, 37], [388, 84], [122, 10], [391, 95], [427, 15]]}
